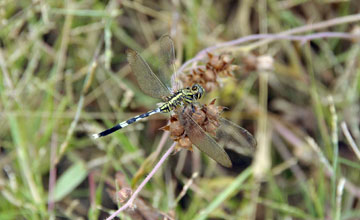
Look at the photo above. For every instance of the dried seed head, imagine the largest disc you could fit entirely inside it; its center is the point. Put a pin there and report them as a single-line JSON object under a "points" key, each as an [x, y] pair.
{"points": [[176, 129], [213, 60], [206, 116], [199, 116], [210, 127], [227, 59], [212, 111], [174, 118], [209, 75], [185, 143], [215, 67], [165, 128]]}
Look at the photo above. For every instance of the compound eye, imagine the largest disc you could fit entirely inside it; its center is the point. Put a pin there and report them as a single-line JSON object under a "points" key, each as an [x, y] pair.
{"points": [[194, 88]]}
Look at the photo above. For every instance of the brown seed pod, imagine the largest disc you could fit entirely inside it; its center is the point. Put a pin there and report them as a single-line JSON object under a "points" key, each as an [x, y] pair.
{"points": [[199, 116], [176, 129], [210, 127], [215, 67], [212, 111], [185, 143], [210, 75], [214, 61], [227, 58]]}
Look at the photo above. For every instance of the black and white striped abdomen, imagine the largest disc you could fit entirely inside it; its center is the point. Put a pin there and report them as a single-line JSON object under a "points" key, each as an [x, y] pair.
{"points": [[126, 123]]}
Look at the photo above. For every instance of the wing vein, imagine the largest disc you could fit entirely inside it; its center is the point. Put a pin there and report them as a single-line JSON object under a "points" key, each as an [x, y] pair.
{"points": [[203, 141], [147, 80]]}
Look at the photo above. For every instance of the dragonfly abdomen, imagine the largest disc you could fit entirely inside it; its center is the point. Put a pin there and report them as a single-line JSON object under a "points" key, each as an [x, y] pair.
{"points": [[126, 123]]}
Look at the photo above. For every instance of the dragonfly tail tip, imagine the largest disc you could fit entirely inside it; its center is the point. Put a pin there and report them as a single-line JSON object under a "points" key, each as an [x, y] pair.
{"points": [[95, 136]]}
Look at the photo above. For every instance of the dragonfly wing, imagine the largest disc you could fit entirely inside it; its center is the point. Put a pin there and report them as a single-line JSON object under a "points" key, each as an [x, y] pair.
{"points": [[167, 59], [147, 80], [203, 141], [230, 135], [167, 65]]}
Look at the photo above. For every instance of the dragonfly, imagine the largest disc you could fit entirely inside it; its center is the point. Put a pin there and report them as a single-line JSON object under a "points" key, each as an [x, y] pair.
{"points": [[162, 86]]}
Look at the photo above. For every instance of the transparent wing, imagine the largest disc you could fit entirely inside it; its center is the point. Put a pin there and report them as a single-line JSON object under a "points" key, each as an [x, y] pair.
{"points": [[203, 141], [167, 62], [230, 135], [148, 81]]}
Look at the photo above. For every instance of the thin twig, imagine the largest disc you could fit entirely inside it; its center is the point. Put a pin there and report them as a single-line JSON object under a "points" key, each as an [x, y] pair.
{"points": [[313, 27], [185, 188], [281, 36], [143, 183], [162, 142]]}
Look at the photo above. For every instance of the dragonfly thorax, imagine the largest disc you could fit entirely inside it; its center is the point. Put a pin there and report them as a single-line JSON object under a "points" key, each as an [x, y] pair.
{"points": [[182, 97]]}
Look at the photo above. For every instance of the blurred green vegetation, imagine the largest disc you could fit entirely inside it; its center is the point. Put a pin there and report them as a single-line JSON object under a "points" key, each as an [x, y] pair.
{"points": [[64, 76]]}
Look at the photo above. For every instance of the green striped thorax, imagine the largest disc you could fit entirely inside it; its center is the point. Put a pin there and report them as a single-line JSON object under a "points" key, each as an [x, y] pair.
{"points": [[182, 97]]}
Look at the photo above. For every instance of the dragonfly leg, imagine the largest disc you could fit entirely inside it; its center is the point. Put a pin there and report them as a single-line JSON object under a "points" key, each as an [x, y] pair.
{"points": [[184, 108], [192, 107]]}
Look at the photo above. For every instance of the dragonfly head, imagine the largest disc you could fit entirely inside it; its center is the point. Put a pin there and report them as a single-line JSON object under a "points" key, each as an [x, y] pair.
{"points": [[197, 90]]}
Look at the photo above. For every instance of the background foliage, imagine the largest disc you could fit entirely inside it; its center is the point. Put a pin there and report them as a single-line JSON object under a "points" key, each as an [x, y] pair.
{"points": [[64, 76]]}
